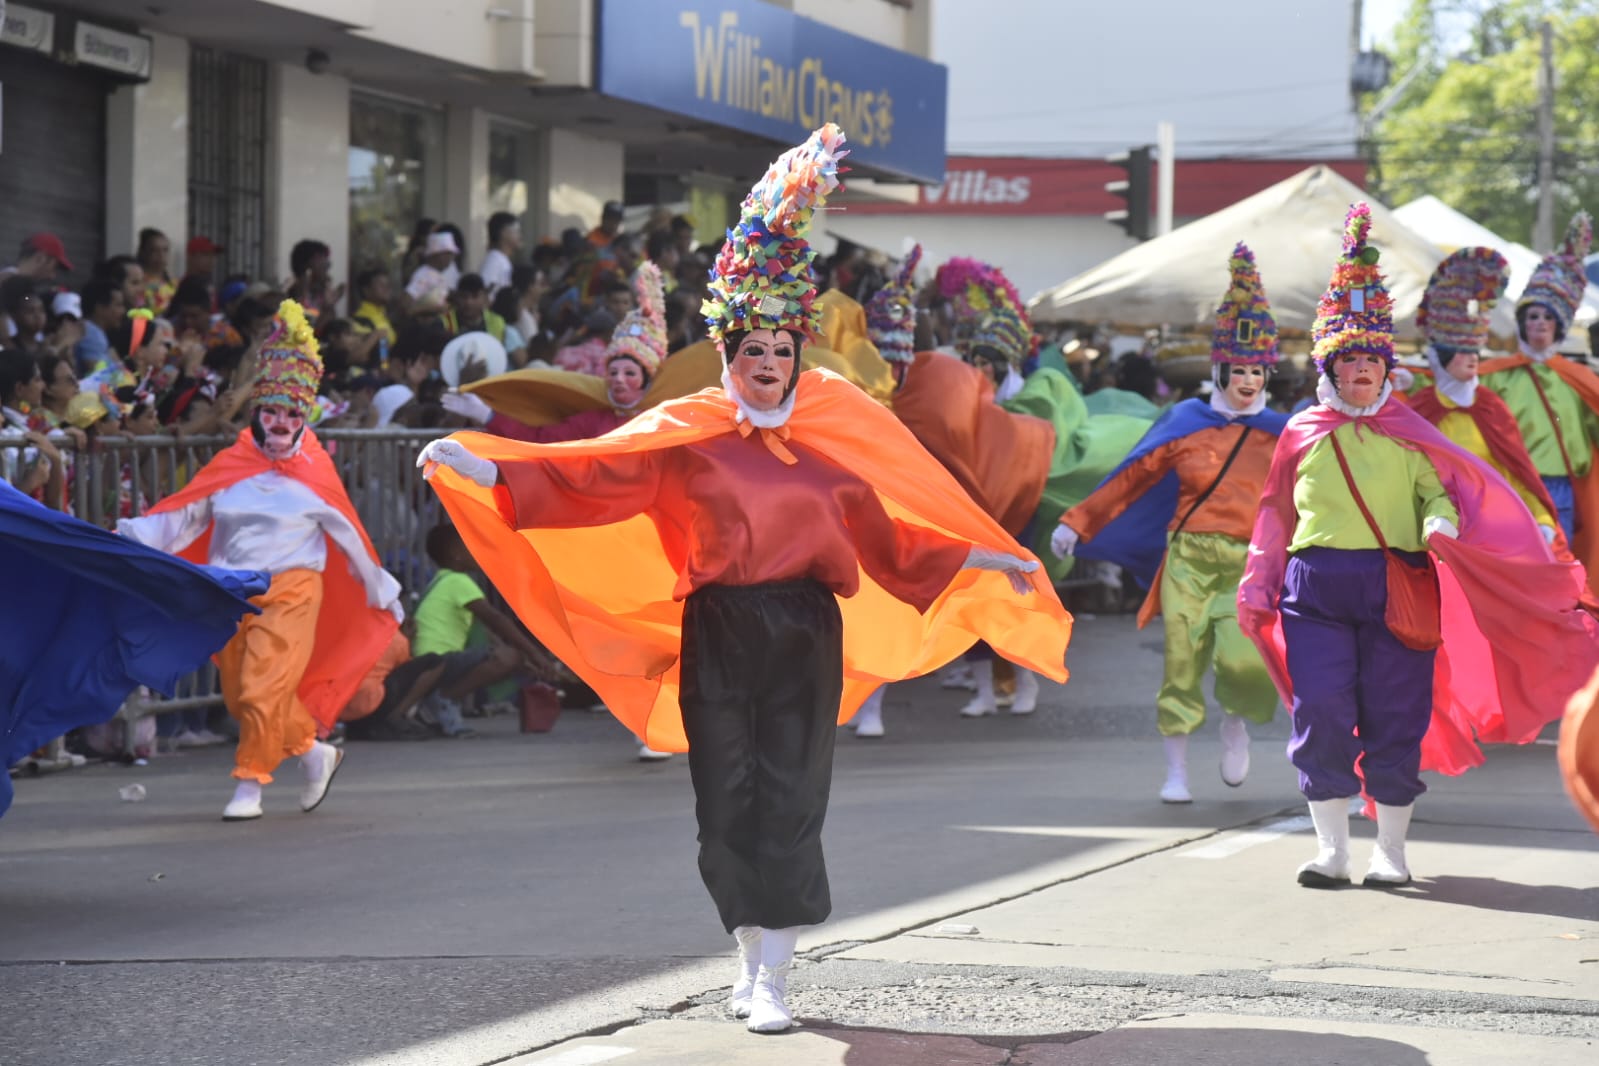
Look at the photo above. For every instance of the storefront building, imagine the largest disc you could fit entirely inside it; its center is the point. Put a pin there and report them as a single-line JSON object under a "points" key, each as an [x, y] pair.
{"points": [[259, 123]]}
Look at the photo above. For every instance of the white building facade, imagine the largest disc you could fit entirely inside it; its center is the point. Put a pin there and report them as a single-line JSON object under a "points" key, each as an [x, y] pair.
{"points": [[258, 123]]}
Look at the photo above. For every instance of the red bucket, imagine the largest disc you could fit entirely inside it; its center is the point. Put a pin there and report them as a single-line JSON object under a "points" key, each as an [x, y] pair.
{"points": [[541, 706]]}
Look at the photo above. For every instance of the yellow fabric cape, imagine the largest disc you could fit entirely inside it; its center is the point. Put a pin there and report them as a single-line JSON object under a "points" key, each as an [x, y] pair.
{"points": [[600, 598], [537, 397]]}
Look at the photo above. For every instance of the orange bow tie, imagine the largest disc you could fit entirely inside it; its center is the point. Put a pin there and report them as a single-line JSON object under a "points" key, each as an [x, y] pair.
{"points": [[772, 438]]}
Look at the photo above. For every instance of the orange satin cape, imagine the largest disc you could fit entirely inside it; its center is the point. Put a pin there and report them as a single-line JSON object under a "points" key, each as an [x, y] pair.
{"points": [[1579, 751], [1000, 458], [350, 635], [1585, 489], [600, 598]]}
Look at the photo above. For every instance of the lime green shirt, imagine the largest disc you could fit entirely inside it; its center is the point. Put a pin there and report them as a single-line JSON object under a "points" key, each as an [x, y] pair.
{"points": [[1400, 487], [444, 617], [1577, 427]]}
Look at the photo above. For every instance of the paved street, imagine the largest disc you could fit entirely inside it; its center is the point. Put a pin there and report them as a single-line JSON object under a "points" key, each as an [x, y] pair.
{"points": [[1006, 891]]}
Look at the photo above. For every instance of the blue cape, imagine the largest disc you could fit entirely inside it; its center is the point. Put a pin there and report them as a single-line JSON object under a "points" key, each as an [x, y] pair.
{"points": [[90, 615], [1136, 540]]}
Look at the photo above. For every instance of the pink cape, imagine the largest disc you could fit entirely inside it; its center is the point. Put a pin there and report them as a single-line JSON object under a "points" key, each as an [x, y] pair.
{"points": [[1516, 645]]}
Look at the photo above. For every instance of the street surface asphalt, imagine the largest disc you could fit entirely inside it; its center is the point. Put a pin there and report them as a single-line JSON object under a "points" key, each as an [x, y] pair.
{"points": [[1006, 890]]}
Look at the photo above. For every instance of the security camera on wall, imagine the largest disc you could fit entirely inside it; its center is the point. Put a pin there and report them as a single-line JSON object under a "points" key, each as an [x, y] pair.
{"points": [[316, 61]]}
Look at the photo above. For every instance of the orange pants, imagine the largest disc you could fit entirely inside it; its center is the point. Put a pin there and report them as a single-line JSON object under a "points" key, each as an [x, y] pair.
{"points": [[261, 669]]}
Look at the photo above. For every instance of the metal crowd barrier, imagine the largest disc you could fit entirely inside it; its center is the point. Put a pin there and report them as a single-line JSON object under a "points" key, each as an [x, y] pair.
{"points": [[123, 477]]}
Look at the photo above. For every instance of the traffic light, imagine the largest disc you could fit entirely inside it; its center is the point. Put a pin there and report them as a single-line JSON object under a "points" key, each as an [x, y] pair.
{"points": [[1134, 189]]}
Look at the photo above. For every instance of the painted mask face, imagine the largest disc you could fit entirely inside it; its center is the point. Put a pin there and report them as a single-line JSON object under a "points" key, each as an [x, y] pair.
{"points": [[1359, 377], [993, 365], [763, 367], [624, 382], [1463, 367], [278, 430], [1540, 326], [1245, 383]]}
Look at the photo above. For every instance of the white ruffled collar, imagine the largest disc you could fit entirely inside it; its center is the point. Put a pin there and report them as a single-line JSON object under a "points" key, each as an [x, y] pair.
{"points": [[1328, 394], [1220, 404], [772, 419], [1460, 393], [1010, 386], [1538, 356]]}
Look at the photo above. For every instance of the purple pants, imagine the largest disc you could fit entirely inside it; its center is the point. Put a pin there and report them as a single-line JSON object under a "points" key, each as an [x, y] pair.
{"points": [[1349, 672]]}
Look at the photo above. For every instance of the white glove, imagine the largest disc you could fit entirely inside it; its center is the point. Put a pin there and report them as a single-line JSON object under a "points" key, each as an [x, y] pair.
{"points": [[1007, 564], [1438, 524], [1549, 534], [1063, 541], [468, 405], [1402, 378], [454, 455]]}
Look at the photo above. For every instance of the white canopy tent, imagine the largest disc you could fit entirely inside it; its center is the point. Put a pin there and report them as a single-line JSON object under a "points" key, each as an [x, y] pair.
{"points": [[1295, 229], [1449, 229]]}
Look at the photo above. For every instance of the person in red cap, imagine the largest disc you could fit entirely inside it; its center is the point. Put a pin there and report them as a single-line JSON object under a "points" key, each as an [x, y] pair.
{"points": [[201, 263], [41, 257]]}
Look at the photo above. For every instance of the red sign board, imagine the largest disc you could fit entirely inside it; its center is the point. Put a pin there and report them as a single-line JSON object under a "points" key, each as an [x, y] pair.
{"points": [[1010, 185]]}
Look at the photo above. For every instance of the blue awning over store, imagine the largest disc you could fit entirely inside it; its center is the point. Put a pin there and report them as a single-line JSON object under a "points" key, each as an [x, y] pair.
{"points": [[755, 67]]}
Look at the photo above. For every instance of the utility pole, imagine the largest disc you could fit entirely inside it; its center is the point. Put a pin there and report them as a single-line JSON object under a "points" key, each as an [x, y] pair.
{"points": [[1166, 147], [1543, 229]]}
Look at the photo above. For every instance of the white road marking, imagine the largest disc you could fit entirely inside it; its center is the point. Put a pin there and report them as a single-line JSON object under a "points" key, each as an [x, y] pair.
{"points": [[587, 1056], [1229, 846]]}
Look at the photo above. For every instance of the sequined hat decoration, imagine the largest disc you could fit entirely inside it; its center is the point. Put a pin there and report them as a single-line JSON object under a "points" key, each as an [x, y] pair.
{"points": [[1245, 330], [1356, 313], [1454, 310], [762, 279], [891, 312], [291, 363]]}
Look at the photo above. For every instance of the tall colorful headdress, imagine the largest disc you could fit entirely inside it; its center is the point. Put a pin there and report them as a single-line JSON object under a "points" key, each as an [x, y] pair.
{"points": [[1355, 314], [1245, 331], [642, 334], [1559, 281], [891, 313], [1004, 329], [762, 278], [1454, 310], [291, 363], [973, 289]]}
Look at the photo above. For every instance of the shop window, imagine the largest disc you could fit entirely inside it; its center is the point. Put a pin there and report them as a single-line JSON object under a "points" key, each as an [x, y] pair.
{"points": [[512, 158], [227, 156], [396, 179]]}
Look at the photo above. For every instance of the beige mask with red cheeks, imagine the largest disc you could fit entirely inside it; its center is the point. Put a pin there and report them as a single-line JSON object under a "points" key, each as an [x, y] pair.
{"points": [[1359, 378], [624, 383], [278, 430], [763, 366]]}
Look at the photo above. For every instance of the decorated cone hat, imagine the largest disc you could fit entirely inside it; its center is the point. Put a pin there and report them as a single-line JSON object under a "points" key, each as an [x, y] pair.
{"points": [[762, 278], [1559, 281], [291, 363], [642, 334], [891, 313], [975, 288], [1355, 314], [1454, 310], [1245, 331], [1004, 329]]}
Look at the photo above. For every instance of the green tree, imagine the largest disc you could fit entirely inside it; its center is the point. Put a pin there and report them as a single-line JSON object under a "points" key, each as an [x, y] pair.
{"points": [[1466, 128]]}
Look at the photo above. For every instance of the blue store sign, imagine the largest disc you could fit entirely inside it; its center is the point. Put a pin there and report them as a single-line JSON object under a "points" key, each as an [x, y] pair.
{"points": [[756, 67]]}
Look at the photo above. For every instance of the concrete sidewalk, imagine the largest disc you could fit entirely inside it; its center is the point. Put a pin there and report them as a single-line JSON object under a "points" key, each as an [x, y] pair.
{"points": [[1207, 952]]}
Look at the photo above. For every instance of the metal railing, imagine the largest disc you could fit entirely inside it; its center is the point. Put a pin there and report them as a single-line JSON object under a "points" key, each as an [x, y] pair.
{"points": [[121, 477]]}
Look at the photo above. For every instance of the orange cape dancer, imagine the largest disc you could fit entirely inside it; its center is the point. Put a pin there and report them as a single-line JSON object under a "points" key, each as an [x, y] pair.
{"points": [[350, 635], [1000, 458], [601, 597], [1584, 489]]}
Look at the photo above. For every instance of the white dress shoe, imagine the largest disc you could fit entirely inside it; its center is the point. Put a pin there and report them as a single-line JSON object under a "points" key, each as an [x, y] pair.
{"points": [[768, 1011], [245, 805], [1388, 868], [1234, 751], [1330, 867], [1026, 699], [320, 763], [749, 965]]}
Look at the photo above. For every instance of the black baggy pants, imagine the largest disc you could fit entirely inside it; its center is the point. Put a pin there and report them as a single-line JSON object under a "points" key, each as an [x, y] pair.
{"points": [[762, 676]]}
